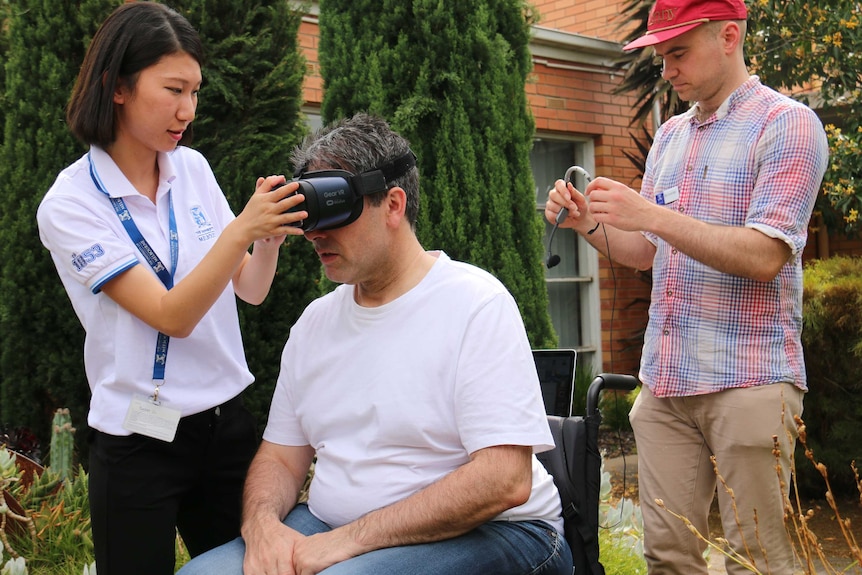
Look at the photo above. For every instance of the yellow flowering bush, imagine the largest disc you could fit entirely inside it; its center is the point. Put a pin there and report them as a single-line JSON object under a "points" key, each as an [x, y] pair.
{"points": [[841, 199], [813, 50]]}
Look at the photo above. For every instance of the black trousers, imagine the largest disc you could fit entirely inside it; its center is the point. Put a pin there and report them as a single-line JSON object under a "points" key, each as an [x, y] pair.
{"points": [[142, 490]]}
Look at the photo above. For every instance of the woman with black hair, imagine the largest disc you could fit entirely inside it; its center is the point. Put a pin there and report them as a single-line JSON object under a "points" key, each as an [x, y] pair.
{"points": [[152, 259]]}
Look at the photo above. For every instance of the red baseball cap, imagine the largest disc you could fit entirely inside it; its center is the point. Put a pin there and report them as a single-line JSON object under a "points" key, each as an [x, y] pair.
{"points": [[671, 18]]}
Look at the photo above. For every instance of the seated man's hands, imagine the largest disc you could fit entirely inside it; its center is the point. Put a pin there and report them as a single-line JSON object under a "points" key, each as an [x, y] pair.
{"points": [[269, 548], [313, 554]]}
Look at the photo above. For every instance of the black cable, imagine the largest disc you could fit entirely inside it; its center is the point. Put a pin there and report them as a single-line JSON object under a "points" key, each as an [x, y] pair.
{"points": [[611, 351], [553, 260]]}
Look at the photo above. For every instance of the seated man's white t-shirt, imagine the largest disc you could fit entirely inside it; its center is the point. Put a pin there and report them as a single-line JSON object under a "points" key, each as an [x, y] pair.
{"points": [[394, 398]]}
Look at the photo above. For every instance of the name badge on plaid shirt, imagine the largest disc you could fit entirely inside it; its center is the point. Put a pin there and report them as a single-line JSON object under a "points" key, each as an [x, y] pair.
{"points": [[668, 196]]}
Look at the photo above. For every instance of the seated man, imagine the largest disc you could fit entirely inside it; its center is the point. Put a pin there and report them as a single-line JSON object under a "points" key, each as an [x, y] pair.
{"points": [[414, 385]]}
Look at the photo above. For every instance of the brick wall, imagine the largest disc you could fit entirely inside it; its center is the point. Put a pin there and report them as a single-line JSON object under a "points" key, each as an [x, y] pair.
{"points": [[309, 39], [594, 18]]}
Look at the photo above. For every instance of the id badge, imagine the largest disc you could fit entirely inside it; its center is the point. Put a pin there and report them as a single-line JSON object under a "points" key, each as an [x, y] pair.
{"points": [[152, 418], [668, 196]]}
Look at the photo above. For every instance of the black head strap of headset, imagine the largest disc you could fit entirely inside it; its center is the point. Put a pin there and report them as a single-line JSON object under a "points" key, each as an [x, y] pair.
{"points": [[372, 181]]}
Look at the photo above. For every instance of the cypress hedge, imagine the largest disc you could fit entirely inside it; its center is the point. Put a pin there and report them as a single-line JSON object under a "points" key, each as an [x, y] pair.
{"points": [[41, 340], [248, 120], [450, 76]]}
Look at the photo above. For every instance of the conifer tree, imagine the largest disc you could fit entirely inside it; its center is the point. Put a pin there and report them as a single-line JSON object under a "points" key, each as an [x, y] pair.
{"points": [[41, 340], [5, 11], [248, 120], [450, 76]]}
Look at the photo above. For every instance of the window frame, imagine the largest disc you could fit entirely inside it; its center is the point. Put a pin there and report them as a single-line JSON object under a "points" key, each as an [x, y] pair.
{"points": [[587, 278]]}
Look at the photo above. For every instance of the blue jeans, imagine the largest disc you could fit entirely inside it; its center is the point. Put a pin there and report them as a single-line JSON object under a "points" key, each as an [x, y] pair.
{"points": [[497, 547]]}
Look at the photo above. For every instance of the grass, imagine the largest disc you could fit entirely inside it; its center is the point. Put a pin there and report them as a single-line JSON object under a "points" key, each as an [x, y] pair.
{"points": [[617, 555]]}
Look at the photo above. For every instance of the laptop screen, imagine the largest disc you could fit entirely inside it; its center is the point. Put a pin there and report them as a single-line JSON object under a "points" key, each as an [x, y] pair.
{"points": [[556, 370]]}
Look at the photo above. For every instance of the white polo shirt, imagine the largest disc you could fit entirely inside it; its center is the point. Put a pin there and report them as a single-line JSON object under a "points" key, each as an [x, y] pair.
{"points": [[90, 246]]}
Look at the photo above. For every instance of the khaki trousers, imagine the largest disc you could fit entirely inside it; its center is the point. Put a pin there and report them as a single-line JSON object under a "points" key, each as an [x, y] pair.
{"points": [[675, 438]]}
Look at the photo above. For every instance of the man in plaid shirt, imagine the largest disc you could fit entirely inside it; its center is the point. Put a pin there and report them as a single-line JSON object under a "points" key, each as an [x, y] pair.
{"points": [[722, 220]]}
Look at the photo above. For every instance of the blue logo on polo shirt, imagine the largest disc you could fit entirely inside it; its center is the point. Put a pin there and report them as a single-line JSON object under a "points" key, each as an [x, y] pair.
{"points": [[205, 230], [82, 260], [199, 216]]}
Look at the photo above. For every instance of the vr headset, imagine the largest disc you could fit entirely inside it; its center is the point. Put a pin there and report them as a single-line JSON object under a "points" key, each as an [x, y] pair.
{"points": [[334, 198]]}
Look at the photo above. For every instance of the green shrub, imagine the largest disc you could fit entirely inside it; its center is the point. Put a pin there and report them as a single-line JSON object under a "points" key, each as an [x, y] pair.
{"points": [[615, 407], [832, 341], [617, 556], [583, 377], [53, 534]]}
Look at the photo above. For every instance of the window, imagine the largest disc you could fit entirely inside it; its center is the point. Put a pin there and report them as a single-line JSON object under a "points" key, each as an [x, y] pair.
{"points": [[573, 290], [312, 118]]}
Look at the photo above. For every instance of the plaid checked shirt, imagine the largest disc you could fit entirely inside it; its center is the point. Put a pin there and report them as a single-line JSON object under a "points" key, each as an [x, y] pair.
{"points": [[757, 162]]}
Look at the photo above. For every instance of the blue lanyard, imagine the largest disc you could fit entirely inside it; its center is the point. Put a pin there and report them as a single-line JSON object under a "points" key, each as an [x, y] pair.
{"points": [[151, 258]]}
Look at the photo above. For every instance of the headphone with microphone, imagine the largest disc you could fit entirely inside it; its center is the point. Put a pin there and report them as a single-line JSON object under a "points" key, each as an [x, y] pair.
{"points": [[553, 259]]}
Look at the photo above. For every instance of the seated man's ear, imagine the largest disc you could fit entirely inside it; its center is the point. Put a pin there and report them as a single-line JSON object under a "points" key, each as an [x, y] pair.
{"points": [[396, 204]]}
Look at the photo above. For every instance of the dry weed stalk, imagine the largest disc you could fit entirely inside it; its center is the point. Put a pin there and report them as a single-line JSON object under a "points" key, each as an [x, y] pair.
{"points": [[721, 545], [843, 523], [806, 546], [857, 480], [797, 523], [729, 491]]}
